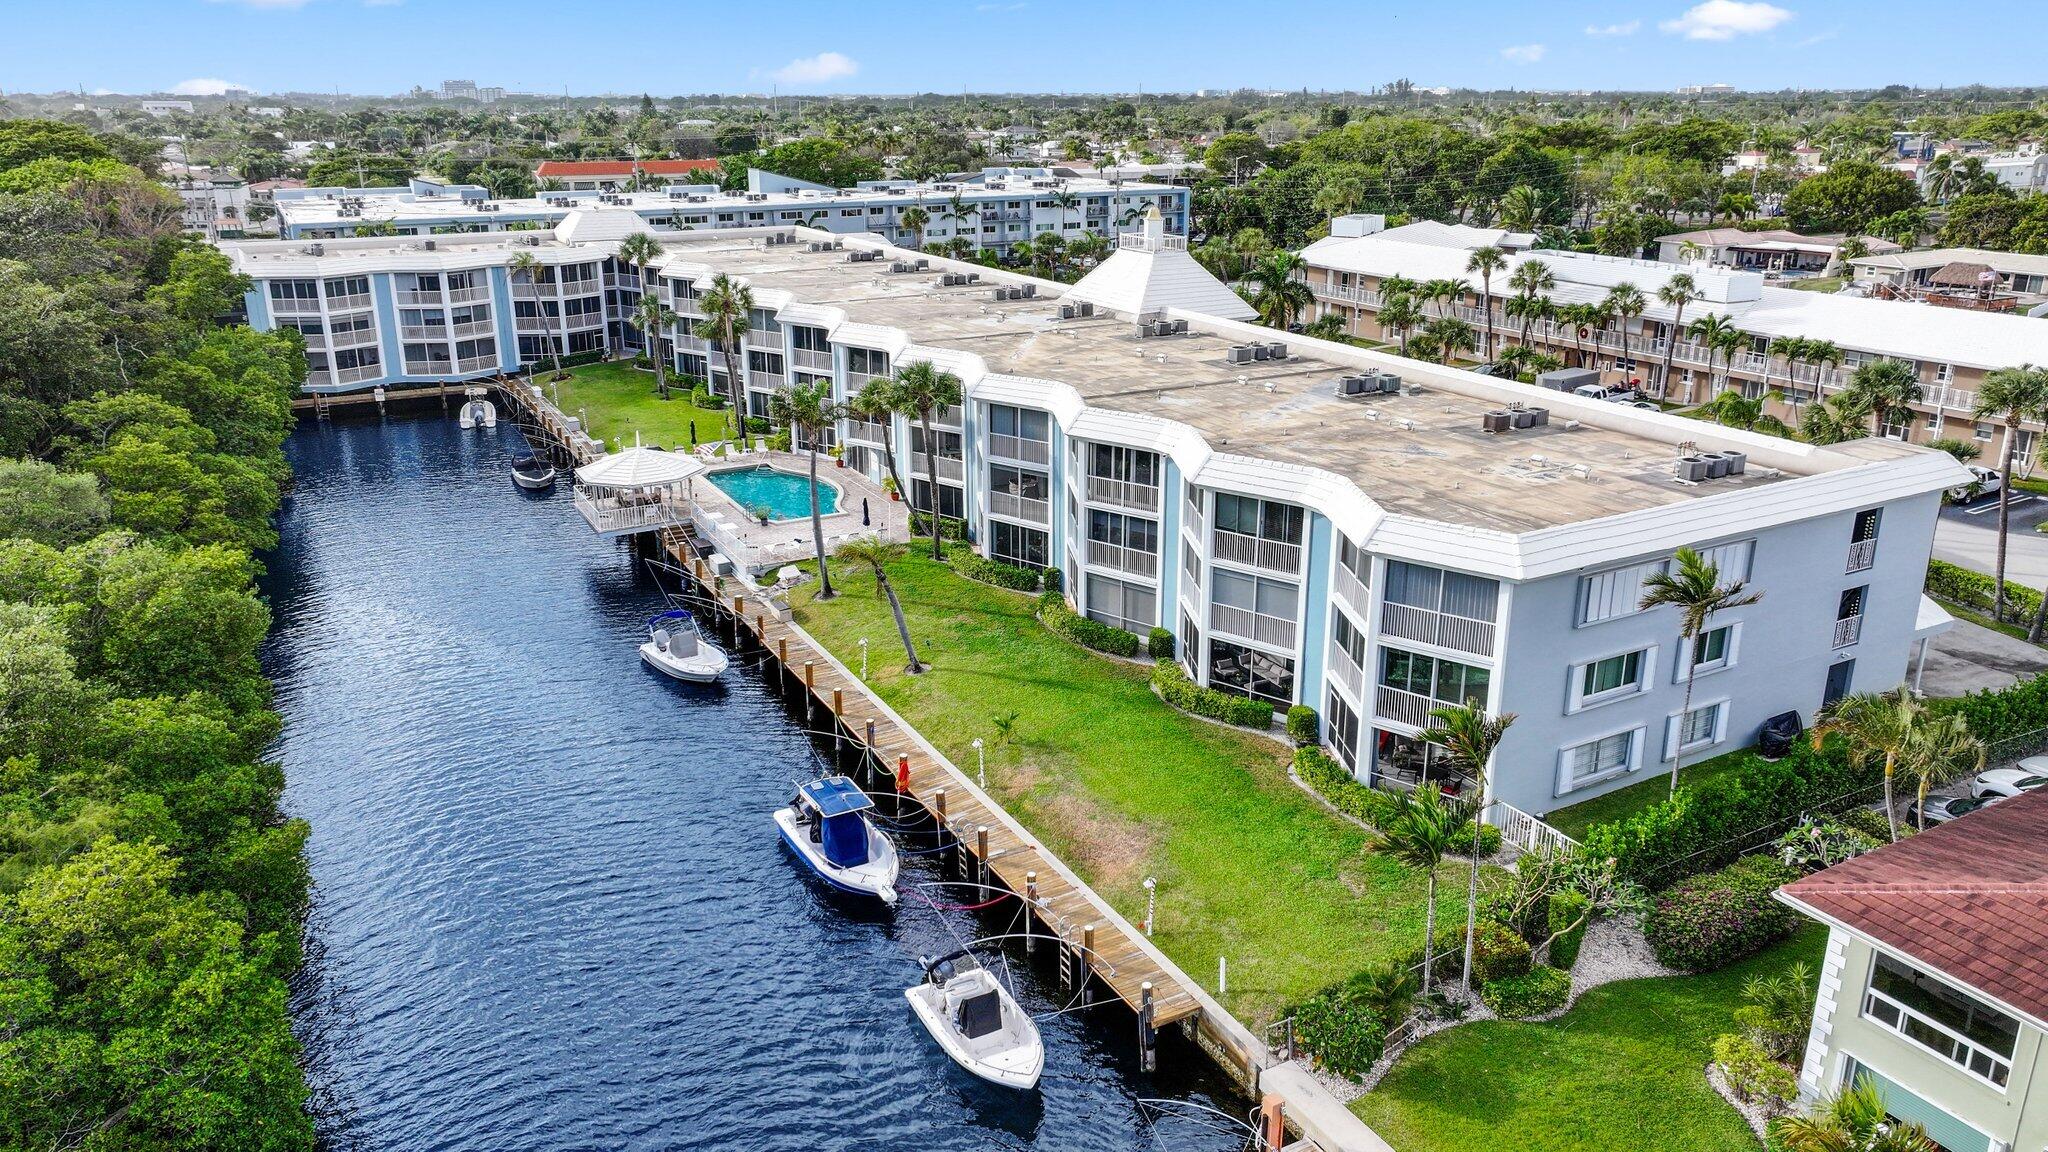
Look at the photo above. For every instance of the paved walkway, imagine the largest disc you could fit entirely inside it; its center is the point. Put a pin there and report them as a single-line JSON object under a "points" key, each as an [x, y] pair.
{"points": [[1970, 657]]}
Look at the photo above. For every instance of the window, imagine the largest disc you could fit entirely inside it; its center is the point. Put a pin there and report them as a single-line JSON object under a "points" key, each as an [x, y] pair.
{"points": [[867, 361], [349, 286], [1704, 726], [1347, 640], [1191, 562], [1244, 671], [1941, 1019], [1731, 561], [764, 363], [950, 500], [1444, 681], [287, 290], [1131, 607], [1597, 760], [1253, 606], [1712, 651], [1019, 482], [1616, 592], [1266, 519], [1015, 544], [1434, 589], [1130, 465], [1123, 531], [1610, 679], [1023, 423], [1341, 723]]}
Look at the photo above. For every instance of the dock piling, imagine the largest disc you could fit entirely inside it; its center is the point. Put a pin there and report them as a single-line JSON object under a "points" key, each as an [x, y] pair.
{"points": [[1030, 906], [981, 851], [1087, 956], [1148, 1037]]}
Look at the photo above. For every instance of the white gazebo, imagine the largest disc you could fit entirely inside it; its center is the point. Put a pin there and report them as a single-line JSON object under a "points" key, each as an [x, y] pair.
{"points": [[636, 490]]}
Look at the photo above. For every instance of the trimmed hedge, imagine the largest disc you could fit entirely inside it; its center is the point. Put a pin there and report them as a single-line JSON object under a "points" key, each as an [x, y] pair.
{"points": [[1345, 1034], [1069, 625], [1973, 590], [973, 565], [1498, 951], [1710, 825], [1303, 725], [949, 529], [1711, 921], [1176, 689], [1372, 805], [2004, 714], [1159, 644], [1533, 993], [1565, 907]]}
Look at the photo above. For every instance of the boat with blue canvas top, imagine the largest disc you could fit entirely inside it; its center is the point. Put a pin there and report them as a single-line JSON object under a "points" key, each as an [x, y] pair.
{"points": [[826, 825], [675, 647]]}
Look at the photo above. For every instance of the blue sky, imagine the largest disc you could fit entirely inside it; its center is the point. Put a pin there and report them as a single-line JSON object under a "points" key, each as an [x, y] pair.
{"points": [[804, 46]]}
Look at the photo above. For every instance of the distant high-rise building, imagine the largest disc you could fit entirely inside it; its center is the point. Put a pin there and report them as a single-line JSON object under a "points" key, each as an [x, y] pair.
{"points": [[458, 89]]}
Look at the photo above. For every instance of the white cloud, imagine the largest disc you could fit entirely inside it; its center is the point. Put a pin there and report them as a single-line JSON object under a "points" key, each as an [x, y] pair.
{"points": [[1726, 19], [1627, 28], [1523, 53], [823, 68], [204, 86]]}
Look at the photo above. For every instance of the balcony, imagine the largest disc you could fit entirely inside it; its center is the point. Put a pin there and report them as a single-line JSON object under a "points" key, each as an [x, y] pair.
{"points": [[1020, 449], [477, 364], [1862, 555], [950, 467], [1848, 631], [468, 295], [360, 302], [1123, 493], [474, 328], [352, 338], [1438, 628], [435, 332], [533, 324], [1022, 508], [1352, 591], [1246, 625], [768, 339], [319, 378], [864, 432], [1139, 562], [293, 306], [314, 340], [358, 374], [815, 360], [1344, 672], [1253, 552], [428, 367], [416, 297], [1402, 707]]}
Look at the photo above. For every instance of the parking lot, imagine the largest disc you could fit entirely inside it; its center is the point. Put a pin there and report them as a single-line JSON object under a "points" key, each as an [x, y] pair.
{"points": [[1967, 535]]}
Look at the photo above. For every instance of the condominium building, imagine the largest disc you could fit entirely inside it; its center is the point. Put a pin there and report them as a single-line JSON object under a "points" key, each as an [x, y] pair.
{"points": [[1934, 986], [1314, 523], [993, 208], [1950, 348]]}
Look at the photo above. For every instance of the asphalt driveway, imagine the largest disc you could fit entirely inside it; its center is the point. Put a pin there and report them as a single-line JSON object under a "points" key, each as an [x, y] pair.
{"points": [[1967, 535]]}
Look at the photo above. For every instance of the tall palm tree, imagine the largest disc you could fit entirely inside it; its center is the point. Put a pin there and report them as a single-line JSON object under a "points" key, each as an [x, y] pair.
{"points": [[1941, 751], [1695, 589], [1854, 1119], [1718, 334], [1624, 302], [960, 214], [810, 412], [1532, 280], [1483, 263], [1469, 737], [914, 220], [876, 555], [653, 318], [2009, 395], [728, 308], [1886, 390], [1399, 314], [1421, 832], [525, 264], [1276, 293], [1522, 208], [877, 401], [1450, 336], [1066, 202], [1875, 725], [1580, 318], [922, 389], [1676, 293]]}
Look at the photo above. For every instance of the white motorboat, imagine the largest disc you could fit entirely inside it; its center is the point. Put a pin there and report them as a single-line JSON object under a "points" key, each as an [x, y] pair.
{"points": [[533, 473], [827, 827], [675, 647], [478, 411], [976, 1020]]}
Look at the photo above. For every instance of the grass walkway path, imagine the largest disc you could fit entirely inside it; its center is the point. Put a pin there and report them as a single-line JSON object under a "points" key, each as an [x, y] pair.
{"points": [[1121, 787], [1621, 1070]]}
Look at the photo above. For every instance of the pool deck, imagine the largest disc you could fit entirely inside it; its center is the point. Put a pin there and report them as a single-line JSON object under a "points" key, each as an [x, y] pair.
{"points": [[754, 546]]}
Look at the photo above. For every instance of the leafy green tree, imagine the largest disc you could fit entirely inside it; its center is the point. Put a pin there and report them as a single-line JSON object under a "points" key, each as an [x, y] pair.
{"points": [[1848, 196], [41, 503], [25, 141], [1886, 390]]}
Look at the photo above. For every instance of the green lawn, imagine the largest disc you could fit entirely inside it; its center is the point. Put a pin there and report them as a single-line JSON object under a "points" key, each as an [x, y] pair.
{"points": [[1121, 786], [1575, 820], [618, 400], [1621, 1070], [1816, 283]]}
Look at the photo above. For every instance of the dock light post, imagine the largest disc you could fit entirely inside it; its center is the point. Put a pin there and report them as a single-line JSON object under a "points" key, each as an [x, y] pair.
{"points": [[1151, 903], [980, 765], [863, 657]]}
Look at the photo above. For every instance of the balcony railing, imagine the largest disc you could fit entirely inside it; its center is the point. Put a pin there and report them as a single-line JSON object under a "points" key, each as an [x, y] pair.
{"points": [[1848, 631], [1402, 707], [423, 332], [352, 338], [319, 378], [1352, 591], [950, 467], [1346, 673], [1017, 507], [1018, 448], [1136, 561], [811, 358], [468, 295], [863, 432], [359, 374], [1123, 493], [1248, 625], [410, 296], [428, 367], [314, 340], [1274, 555], [474, 328], [293, 306], [356, 303], [1439, 628], [1862, 554], [1937, 1038]]}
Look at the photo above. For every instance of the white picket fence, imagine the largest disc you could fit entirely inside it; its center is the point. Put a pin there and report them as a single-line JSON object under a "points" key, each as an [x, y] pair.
{"points": [[1525, 831]]}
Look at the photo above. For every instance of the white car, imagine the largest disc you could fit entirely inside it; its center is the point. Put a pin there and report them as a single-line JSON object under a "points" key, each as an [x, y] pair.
{"points": [[1942, 809], [2025, 776], [1987, 483]]}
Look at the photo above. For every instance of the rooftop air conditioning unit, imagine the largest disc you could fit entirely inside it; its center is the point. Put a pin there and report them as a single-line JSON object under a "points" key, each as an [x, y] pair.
{"points": [[1538, 417], [1692, 469], [1277, 350], [1262, 351], [1497, 423], [316, 249], [1717, 465], [429, 245], [530, 241], [1180, 327], [1242, 354], [975, 278], [997, 292], [921, 264], [1738, 462], [1355, 385], [1087, 307]]}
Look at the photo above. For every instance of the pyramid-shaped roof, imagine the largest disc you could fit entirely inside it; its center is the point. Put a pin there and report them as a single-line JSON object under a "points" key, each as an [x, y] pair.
{"points": [[1150, 271], [638, 467]]}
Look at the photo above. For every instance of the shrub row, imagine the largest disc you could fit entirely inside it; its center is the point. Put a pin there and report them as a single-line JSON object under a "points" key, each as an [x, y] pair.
{"points": [[2006, 713], [1304, 727], [949, 529], [706, 399], [1973, 590], [973, 565], [1176, 689], [1372, 805], [1707, 826], [1498, 951], [1159, 644], [1533, 993], [1711, 921], [1068, 624]]}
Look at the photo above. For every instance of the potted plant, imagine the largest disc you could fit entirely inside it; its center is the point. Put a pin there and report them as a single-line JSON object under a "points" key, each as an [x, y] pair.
{"points": [[889, 486], [838, 454], [761, 514]]}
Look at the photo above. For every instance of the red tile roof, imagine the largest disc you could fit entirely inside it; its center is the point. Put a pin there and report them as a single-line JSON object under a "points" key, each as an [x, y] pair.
{"points": [[623, 168], [1968, 899]]}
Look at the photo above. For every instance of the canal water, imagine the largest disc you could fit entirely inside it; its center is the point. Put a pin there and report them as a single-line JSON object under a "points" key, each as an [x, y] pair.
{"points": [[549, 908]]}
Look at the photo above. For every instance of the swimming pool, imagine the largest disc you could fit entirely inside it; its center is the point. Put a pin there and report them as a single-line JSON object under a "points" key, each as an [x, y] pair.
{"points": [[782, 493]]}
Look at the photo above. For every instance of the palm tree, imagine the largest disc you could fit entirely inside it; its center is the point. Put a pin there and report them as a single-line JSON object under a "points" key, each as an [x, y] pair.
{"points": [[1087, 250], [1469, 737], [1277, 294], [1886, 390], [1676, 293], [525, 264], [728, 308], [876, 554], [1695, 589], [1066, 202], [1522, 208], [2009, 395], [1731, 409], [639, 250], [914, 220], [1624, 302], [1421, 832], [1340, 196], [1941, 751], [1450, 336], [1399, 314], [1328, 326], [1532, 280], [1852, 1120], [653, 318], [810, 412], [1875, 725], [877, 401], [921, 389], [1484, 262], [1579, 318], [958, 212], [1718, 334]]}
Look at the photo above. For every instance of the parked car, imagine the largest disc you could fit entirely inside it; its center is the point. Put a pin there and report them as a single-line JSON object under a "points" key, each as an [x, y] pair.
{"points": [[2025, 776], [1942, 809], [1987, 483], [1612, 395]]}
